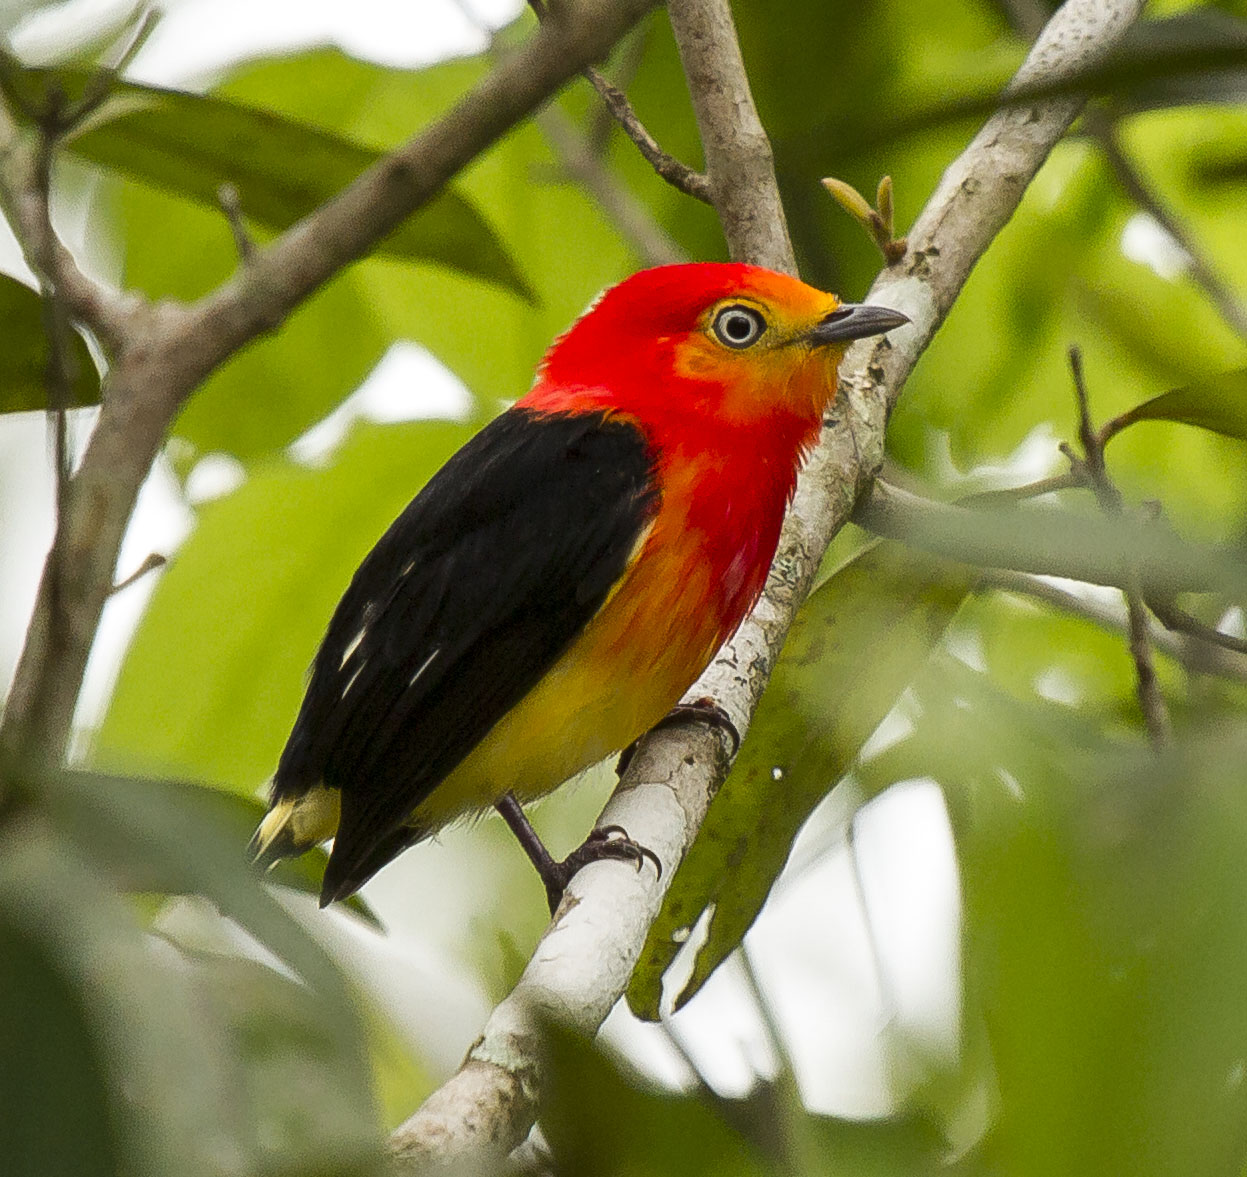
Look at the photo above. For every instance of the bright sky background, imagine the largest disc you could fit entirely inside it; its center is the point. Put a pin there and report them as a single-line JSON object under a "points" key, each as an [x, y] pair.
{"points": [[850, 945]]}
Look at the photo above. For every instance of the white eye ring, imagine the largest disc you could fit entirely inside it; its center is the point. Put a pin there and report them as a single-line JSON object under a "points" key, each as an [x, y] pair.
{"points": [[738, 326]]}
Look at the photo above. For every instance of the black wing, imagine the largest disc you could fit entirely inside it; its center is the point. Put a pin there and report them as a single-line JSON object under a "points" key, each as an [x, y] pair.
{"points": [[465, 602]]}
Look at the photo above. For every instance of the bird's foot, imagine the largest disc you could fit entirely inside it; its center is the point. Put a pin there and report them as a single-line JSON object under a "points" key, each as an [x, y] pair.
{"points": [[608, 842], [604, 844], [705, 709]]}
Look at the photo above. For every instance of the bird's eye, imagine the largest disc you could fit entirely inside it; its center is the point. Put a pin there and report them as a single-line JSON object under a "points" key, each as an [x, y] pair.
{"points": [[738, 326]]}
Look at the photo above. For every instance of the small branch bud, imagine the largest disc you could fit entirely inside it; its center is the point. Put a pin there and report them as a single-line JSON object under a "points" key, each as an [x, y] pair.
{"points": [[876, 221]]}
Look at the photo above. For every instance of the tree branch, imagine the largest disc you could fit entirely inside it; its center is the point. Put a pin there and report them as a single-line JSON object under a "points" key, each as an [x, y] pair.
{"points": [[585, 959], [739, 164], [1194, 652], [24, 176], [162, 352], [1103, 129], [1097, 552], [677, 174], [1151, 701]]}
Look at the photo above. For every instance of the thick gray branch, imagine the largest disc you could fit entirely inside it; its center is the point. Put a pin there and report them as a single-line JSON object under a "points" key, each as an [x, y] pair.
{"points": [[583, 963], [739, 163]]}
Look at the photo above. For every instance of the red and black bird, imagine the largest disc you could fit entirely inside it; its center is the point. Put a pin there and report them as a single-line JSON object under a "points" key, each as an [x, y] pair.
{"points": [[560, 583]]}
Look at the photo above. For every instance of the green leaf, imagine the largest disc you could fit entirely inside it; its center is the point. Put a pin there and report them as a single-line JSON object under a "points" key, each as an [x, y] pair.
{"points": [[213, 678], [193, 807], [1218, 404], [857, 643], [149, 1075], [119, 819], [191, 144], [24, 357], [601, 1125], [279, 386]]}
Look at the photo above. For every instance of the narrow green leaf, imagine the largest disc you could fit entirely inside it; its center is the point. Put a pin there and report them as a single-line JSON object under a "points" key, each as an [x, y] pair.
{"points": [[1218, 404], [855, 646], [159, 1076], [190, 144], [24, 356], [117, 819]]}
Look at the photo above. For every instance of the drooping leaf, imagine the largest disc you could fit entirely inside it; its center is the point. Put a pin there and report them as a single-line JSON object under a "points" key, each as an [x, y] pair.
{"points": [[195, 807], [491, 340], [151, 1077], [25, 354], [857, 643], [1218, 404]]}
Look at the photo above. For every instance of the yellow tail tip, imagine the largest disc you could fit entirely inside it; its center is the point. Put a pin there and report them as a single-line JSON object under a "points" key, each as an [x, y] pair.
{"points": [[295, 824]]}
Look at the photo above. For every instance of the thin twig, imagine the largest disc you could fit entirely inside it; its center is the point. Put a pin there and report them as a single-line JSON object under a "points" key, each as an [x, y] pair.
{"points": [[1070, 480], [60, 375], [1103, 129], [1185, 647], [629, 56], [151, 562], [23, 161], [677, 174], [1179, 620], [230, 200], [1151, 700], [653, 245], [103, 80]]}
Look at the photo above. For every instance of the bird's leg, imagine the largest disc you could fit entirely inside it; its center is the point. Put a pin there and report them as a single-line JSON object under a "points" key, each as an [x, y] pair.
{"points": [[609, 842], [705, 709]]}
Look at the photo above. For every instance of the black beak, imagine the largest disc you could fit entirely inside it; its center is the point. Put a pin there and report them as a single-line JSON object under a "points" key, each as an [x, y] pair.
{"points": [[855, 321]]}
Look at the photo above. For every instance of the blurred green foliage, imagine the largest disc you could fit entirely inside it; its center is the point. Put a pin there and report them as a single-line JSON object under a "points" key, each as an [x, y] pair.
{"points": [[146, 1030], [25, 357]]}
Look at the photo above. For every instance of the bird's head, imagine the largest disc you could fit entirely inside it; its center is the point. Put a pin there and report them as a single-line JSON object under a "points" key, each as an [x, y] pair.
{"points": [[723, 342]]}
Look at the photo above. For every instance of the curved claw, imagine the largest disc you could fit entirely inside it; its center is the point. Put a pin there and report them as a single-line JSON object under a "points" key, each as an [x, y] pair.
{"points": [[617, 835], [608, 842], [705, 709]]}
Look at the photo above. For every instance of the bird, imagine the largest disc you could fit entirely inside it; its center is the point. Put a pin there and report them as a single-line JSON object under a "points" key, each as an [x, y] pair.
{"points": [[558, 585]]}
